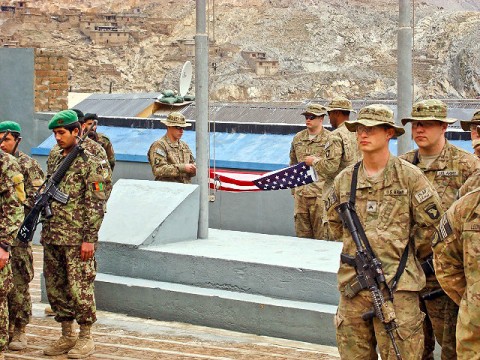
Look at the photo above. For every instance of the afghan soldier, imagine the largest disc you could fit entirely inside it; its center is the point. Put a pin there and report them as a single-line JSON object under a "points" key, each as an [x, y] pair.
{"points": [[12, 196], [340, 152], [170, 158], [19, 301], [69, 238], [390, 197], [457, 265], [447, 167], [102, 139], [473, 127]]}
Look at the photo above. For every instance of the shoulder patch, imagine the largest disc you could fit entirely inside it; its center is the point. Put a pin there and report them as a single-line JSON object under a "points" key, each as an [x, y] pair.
{"points": [[432, 211], [444, 228], [423, 195], [331, 200], [160, 152]]}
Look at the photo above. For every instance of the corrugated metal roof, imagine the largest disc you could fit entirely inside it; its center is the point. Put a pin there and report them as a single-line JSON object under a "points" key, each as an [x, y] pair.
{"points": [[122, 105]]}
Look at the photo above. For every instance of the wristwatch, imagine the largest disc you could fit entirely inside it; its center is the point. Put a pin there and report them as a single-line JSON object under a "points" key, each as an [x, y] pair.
{"points": [[5, 246]]}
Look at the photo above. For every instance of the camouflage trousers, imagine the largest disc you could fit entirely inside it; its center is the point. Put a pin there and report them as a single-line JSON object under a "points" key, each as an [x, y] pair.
{"points": [[308, 214], [69, 282], [5, 288], [19, 301], [442, 314], [468, 325], [358, 339]]}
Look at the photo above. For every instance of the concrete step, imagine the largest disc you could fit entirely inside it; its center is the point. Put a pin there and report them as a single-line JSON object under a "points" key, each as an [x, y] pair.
{"points": [[231, 310], [275, 266]]}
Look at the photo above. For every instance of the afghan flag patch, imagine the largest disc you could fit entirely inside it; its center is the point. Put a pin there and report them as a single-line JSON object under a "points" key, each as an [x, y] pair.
{"points": [[97, 186]]}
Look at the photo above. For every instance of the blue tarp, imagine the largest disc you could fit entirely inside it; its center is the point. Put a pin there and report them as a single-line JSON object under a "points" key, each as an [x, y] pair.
{"points": [[263, 152]]}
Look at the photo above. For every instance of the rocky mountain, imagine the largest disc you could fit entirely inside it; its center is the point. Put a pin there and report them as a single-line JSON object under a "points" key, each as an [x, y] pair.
{"points": [[323, 48]]}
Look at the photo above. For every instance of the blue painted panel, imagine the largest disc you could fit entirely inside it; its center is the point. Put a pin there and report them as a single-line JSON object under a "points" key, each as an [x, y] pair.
{"points": [[231, 150]]}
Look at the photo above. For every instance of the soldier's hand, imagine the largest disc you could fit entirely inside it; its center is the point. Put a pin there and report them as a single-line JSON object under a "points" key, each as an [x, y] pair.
{"points": [[4, 256], [309, 160], [87, 251], [191, 168]]}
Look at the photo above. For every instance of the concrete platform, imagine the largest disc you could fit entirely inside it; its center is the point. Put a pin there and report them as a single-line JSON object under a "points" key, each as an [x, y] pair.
{"points": [[262, 284]]}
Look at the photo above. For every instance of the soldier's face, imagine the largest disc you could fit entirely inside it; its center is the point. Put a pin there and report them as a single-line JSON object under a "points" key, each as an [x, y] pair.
{"points": [[427, 134], [8, 143], [65, 139], [313, 122], [176, 132], [473, 131], [373, 138]]}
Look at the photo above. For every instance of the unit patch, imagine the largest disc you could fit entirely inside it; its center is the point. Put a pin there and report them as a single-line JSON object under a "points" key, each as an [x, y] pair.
{"points": [[423, 195], [432, 211]]}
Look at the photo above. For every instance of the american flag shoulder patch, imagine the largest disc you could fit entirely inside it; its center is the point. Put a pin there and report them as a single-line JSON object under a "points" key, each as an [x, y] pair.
{"points": [[444, 228]]}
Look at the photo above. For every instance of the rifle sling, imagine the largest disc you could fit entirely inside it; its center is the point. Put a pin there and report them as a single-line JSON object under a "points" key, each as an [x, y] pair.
{"points": [[403, 260]]}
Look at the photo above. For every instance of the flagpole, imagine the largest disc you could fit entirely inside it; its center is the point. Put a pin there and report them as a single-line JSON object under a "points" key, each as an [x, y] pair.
{"points": [[201, 109]]}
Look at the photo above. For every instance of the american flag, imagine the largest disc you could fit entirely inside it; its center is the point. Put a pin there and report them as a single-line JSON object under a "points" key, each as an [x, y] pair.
{"points": [[286, 178]]}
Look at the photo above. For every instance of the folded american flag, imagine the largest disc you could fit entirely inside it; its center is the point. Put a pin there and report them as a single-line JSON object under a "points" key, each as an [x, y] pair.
{"points": [[286, 178]]}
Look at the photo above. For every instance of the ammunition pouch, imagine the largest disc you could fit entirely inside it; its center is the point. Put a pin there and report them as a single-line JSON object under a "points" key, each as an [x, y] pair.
{"points": [[355, 286], [427, 266]]}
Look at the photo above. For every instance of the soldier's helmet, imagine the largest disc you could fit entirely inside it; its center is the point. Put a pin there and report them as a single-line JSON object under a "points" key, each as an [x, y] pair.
{"points": [[374, 115]]}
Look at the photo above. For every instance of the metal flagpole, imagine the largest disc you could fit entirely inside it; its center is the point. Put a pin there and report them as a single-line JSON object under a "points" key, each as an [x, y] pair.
{"points": [[404, 73], [201, 109]]}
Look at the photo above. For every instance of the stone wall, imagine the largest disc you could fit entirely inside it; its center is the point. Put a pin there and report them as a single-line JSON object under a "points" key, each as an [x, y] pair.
{"points": [[51, 81]]}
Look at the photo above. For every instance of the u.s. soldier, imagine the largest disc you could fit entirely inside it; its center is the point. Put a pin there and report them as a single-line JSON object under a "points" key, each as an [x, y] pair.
{"points": [[340, 151], [12, 196], [308, 204], [390, 196], [69, 238], [447, 167], [473, 126], [457, 265], [170, 158], [19, 301]]}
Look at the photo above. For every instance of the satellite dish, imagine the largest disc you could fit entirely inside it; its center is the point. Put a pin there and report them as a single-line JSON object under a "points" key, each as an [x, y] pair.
{"points": [[185, 78]]}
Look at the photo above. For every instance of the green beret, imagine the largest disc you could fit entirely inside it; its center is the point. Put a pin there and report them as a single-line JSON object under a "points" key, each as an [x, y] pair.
{"points": [[11, 126], [63, 118]]}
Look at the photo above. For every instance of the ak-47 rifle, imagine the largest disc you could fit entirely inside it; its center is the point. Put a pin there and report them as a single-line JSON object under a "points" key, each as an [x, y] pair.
{"points": [[370, 276], [48, 192]]}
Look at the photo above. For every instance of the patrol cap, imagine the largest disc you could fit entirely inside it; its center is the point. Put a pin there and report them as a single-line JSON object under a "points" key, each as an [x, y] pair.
{"points": [[315, 109], [63, 118], [340, 103], [475, 120], [11, 126], [429, 110], [176, 119], [374, 115]]}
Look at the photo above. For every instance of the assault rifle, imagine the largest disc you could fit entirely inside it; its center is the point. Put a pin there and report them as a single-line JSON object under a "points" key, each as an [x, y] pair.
{"points": [[4, 136], [370, 276], [48, 192]]}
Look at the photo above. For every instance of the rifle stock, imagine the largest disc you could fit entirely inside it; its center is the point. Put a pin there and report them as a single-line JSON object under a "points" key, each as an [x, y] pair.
{"points": [[370, 274]]}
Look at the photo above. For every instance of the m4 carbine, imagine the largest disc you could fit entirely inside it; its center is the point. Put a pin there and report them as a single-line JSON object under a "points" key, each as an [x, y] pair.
{"points": [[370, 275], [48, 192]]}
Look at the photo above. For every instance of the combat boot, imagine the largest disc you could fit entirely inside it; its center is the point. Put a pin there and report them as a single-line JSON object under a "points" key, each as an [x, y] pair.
{"points": [[19, 340], [64, 343], [84, 346]]}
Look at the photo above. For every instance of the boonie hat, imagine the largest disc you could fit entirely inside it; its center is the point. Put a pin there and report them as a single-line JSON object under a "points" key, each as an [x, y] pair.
{"points": [[11, 126], [176, 119], [63, 118], [315, 109], [428, 110], [340, 103], [374, 115], [475, 120]]}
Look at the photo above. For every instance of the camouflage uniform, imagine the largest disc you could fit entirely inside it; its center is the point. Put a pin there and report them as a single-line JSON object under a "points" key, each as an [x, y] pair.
{"points": [[340, 151], [457, 253], [308, 207], [387, 209], [12, 196], [471, 184], [447, 173], [168, 160], [69, 280], [95, 150], [107, 146], [19, 301]]}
